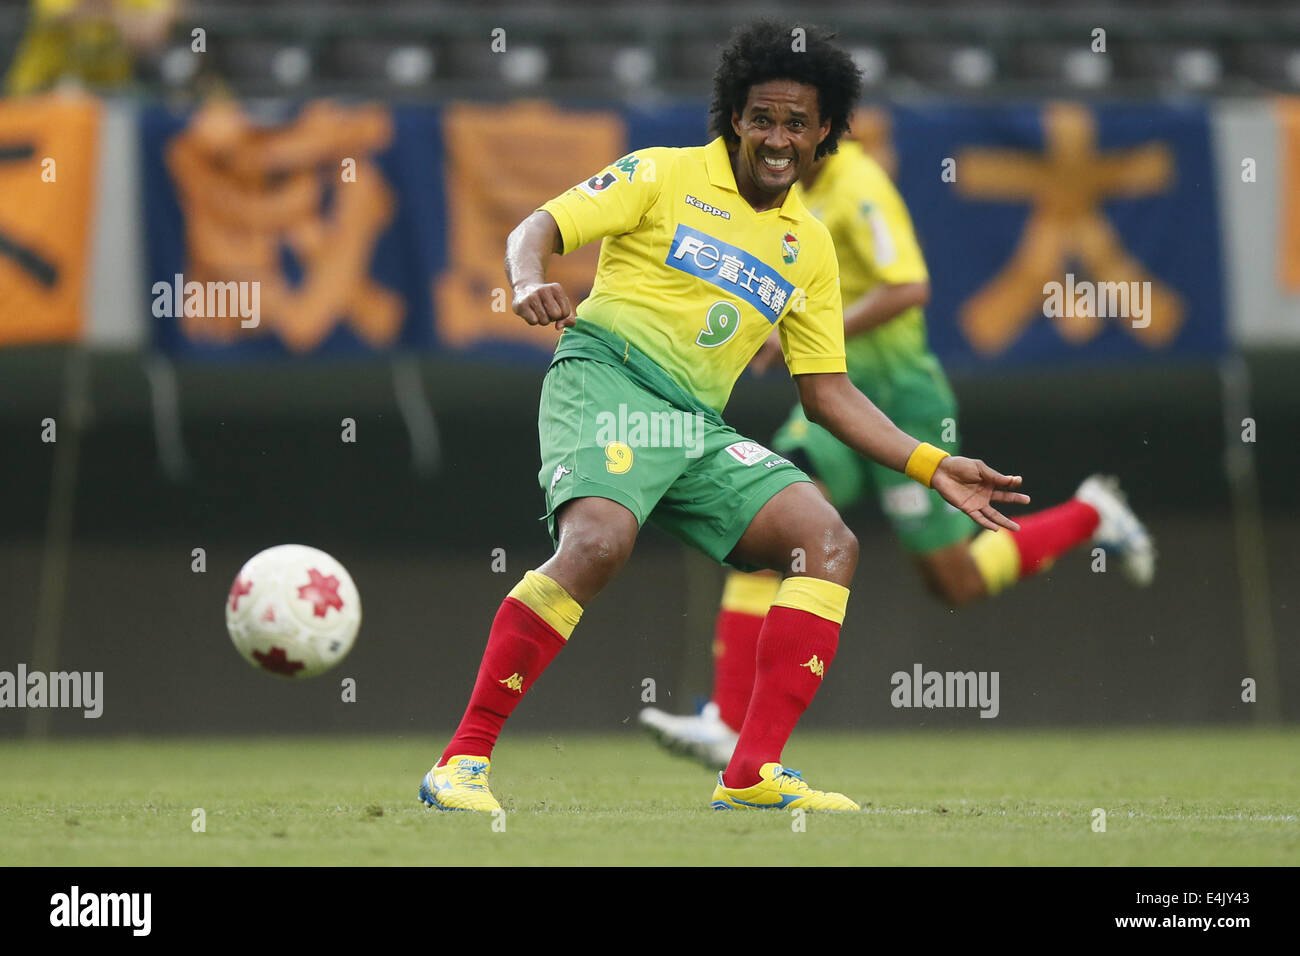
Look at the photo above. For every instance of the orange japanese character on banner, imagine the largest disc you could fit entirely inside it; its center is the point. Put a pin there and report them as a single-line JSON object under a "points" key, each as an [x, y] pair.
{"points": [[310, 188], [48, 158], [1288, 245], [491, 186], [1066, 188]]}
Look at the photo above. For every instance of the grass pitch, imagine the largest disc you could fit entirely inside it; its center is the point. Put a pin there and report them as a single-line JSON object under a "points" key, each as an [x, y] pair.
{"points": [[1186, 797]]}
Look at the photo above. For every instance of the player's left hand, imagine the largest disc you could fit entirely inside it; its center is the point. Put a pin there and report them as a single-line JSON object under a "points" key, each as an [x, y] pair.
{"points": [[971, 486]]}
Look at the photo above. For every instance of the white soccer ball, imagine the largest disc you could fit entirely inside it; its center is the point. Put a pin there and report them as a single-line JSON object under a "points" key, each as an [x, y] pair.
{"points": [[293, 611]]}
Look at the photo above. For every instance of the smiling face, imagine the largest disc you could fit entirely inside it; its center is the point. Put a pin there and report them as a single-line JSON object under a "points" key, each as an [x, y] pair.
{"points": [[779, 129]]}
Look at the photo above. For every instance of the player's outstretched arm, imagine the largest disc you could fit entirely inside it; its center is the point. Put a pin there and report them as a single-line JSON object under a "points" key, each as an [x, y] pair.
{"points": [[836, 404], [528, 251]]}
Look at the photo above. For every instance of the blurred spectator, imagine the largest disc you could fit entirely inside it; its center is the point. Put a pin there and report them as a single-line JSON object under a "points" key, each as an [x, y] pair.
{"points": [[90, 43]]}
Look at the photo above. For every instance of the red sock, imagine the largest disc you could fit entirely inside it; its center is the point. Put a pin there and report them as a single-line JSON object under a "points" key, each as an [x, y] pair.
{"points": [[519, 647], [735, 644], [794, 649], [1046, 535]]}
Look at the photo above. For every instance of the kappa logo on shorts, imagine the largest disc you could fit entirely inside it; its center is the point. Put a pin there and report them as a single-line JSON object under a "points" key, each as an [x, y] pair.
{"points": [[748, 452], [560, 472]]}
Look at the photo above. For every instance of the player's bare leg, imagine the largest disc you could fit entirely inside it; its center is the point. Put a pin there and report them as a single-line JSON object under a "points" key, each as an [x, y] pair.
{"points": [[951, 575], [596, 537]]}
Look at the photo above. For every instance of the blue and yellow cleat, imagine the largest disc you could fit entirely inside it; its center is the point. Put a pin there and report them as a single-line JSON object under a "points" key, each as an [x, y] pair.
{"points": [[779, 788], [459, 784]]}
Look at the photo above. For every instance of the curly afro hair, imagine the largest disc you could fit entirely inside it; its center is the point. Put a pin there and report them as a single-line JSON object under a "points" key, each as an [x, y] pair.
{"points": [[768, 50]]}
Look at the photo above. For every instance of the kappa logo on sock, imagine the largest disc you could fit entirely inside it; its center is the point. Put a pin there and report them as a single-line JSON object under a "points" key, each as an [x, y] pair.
{"points": [[514, 682], [816, 666]]}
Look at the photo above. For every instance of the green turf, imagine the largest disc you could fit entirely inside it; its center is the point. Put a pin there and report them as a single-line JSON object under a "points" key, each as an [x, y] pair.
{"points": [[1172, 798]]}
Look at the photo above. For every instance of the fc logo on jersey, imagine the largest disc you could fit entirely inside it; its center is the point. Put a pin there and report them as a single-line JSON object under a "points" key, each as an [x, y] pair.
{"points": [[598, 184], [789, 248]]}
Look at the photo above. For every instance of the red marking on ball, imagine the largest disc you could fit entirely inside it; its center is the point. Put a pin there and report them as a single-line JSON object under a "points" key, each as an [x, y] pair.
{"points": [[238, 590], [277, 663], [322, 591]]}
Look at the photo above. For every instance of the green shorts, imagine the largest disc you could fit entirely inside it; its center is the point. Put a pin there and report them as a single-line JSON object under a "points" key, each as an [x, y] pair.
{"points": [[919, 400], [603, 435]]}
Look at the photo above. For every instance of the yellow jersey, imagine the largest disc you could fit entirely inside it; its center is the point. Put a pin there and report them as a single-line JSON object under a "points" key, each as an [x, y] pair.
{"points": [[694, 278]]}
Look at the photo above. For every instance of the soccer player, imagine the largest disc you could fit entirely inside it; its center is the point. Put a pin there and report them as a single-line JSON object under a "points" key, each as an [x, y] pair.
{"points": [[704, 251], [885, 285]]}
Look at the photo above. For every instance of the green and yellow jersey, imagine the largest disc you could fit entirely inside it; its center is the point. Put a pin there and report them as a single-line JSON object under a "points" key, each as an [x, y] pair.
{"points": [[892, 363], [694, 278], [876, 244]]}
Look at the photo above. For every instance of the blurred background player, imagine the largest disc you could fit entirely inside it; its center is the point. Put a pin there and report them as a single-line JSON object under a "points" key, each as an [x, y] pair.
{"points": [[92, 44], [885, 286]]}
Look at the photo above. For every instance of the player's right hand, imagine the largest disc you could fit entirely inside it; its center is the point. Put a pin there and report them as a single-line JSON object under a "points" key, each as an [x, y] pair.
{"points": [[541, 303]]}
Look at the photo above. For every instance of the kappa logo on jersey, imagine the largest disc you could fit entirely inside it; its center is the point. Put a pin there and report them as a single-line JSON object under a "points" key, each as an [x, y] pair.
{"points": [[711, 210], [731, 268], [789, 248], [598, 184], [747, 452], [815, 665]]}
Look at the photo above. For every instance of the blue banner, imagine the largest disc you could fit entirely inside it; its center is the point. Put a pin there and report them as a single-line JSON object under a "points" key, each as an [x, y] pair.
{"points": [[1062, 231], [1053, 232]]}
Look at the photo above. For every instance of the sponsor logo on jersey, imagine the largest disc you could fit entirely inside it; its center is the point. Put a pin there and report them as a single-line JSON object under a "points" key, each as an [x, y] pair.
{"points": [[731, 268], [747, 452], [711, 210], [598, 184], [789, 248]]}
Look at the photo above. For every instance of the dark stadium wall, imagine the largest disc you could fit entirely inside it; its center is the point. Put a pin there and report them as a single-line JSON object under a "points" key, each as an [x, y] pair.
{"points": [[1073, 647]]}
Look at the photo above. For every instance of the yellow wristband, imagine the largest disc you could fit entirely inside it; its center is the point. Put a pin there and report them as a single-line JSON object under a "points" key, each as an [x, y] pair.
{"points": [[923, 462]]}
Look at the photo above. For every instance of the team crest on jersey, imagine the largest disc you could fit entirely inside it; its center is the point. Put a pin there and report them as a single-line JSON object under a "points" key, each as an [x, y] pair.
{"points": [[789, 248], [598, 184]]}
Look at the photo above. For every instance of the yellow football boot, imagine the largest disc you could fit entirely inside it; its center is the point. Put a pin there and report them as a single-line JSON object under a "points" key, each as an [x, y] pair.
{"points": [[460, 784], [779, 789]]}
